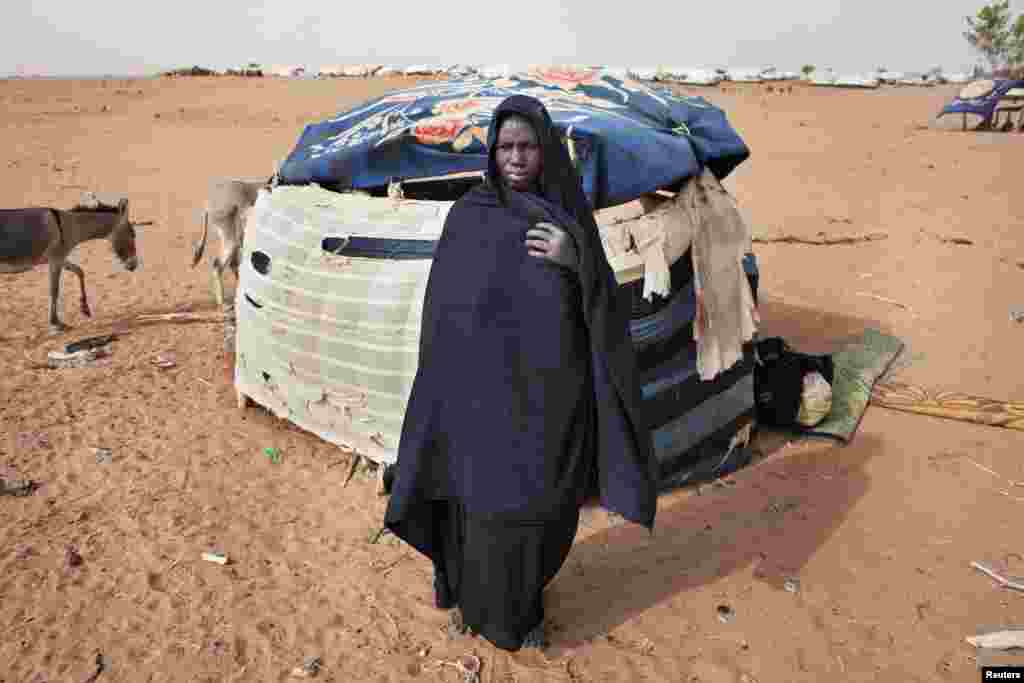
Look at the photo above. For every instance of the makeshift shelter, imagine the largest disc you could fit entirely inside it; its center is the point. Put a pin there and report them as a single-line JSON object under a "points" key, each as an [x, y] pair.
{"points": [[336, 259], [986, 100]]}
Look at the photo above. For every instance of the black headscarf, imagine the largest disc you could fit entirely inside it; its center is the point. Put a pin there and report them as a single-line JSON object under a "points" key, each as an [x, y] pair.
{"points": [[559, 183], [476, 289]]}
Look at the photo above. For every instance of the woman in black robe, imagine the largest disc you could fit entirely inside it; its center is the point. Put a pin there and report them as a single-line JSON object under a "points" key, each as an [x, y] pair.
{"points": [[525, 398]]}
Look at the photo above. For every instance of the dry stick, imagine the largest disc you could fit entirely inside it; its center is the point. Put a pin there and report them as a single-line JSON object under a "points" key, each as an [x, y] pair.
{"points": [[1002, 580], [352, 470], [398, 631], [334, 464], [394, 563], [981, 467], [824, 240], [172, 565], [884, 300], [184, 318]]}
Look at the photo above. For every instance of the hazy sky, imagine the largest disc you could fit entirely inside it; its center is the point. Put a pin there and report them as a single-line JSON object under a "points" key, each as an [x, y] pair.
{"points": [[65, 37]]}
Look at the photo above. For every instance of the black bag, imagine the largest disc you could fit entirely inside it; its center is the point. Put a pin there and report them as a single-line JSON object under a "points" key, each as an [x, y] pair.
{"points": [[779, 380]]}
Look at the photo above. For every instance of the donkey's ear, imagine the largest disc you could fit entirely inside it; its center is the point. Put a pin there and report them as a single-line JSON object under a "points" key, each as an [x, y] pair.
{"points": [[122, 206]]}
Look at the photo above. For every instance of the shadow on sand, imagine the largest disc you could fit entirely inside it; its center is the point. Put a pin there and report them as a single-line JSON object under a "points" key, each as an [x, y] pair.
{"points": [[812, 331], [781, 510]]}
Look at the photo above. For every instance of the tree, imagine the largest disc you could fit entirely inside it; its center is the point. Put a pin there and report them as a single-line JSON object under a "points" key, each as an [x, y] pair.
{"points": [[1016, 43], [989, 32], [808, 69]]}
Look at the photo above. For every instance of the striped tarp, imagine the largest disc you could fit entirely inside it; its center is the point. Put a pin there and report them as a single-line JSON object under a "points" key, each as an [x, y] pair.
{"points": [[690, 420], [328, 317]]}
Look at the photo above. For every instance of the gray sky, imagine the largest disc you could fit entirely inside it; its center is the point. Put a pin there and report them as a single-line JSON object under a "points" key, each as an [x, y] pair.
{"points": [[66, 37]]}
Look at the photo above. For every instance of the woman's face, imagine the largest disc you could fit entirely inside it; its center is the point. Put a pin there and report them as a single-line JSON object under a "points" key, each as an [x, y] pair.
{"points": [[518, 153]]}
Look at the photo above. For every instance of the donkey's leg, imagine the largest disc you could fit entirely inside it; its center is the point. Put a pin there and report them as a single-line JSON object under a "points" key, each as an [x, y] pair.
{"points": [[235, 260], [56, 326], [81, 281], [218, 281]]}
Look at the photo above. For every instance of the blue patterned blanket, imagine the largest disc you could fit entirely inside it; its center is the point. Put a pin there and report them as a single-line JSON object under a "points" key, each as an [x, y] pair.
{"points": [[627, 138]]}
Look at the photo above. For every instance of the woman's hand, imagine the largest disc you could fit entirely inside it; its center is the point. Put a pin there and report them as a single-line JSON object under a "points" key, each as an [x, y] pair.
{"points": [[546, 240]]}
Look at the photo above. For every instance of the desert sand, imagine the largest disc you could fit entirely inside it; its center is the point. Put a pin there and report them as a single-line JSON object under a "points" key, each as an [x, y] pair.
{"points": [[879, 533]]}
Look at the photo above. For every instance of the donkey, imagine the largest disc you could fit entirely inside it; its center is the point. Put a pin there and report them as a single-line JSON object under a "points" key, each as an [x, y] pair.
{"points": [[32, 236], [227, 207]]}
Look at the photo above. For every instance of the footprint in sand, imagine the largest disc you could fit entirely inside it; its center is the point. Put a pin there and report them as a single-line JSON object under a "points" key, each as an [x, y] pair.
{"points": [[241, 646], [272, 632], [155, 581]]}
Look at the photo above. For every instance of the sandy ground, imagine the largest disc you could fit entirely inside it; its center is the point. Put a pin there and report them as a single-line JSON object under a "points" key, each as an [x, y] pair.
{"points": [[880, 533]]}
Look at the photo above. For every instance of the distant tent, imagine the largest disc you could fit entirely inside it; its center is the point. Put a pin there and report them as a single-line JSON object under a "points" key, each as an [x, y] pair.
{"points": [[287, 71], [360, 70], [620, 72], [915, 79], [495, 70], [701, 77], [460, 70], [331, 71], [670, 74], [644, 73], [771, 74], [886, 76], [250, 69], [423, 70], [829, 78], [746, 75], [689, 75]]}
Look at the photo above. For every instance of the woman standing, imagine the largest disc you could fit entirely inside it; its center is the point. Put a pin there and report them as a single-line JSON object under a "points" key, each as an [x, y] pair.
{"points": [[525, 397]]}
